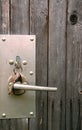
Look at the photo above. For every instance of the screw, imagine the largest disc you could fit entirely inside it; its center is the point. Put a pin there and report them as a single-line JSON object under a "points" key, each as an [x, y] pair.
{"points": [[24, 62], [11, 62], [3, 115], [3, 39], [31, 113], [31, 39], [31, 72]]}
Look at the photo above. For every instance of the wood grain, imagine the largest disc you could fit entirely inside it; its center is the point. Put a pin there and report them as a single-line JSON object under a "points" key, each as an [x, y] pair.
{"points": [[39, 27], [74, 70], [0, 16], [57, 41], [19, 16], [58, 59], [4, 16]]}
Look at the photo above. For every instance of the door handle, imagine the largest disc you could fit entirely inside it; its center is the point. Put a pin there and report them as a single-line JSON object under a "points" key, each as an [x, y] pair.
{"points": [[33, 88]]}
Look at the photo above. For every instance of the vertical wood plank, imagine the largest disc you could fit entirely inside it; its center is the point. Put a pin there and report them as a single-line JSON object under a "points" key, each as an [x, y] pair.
{"points": [[4, 19], [32, 124], [13, 124], [74, 64], [19, 124], [81, 110], [57, 44], [5, 124], [0, 16], [39, 27], [19, 12]]}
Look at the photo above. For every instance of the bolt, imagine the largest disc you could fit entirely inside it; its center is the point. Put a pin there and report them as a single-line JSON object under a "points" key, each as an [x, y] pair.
{"points": [[31, 113], [24, 62], [31, 39], [11, 62], [3, 39], [31, 72], [3, 115]]}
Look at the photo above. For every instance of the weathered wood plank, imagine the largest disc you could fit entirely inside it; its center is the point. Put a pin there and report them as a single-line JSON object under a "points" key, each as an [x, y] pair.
{"points": [[39, 27], [81, 113], [4, 17], [57, 43], [18, 124], [19, 12], [5, 124], [32, 124], [74, 67], [13, 124], [0, 16]]}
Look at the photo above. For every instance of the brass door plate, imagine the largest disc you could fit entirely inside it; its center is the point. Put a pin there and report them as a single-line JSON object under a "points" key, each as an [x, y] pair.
{"points": [[12, 106]]}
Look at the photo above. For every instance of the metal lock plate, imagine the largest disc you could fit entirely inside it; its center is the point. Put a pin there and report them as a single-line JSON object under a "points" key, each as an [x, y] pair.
{"points": [[12, 106]]}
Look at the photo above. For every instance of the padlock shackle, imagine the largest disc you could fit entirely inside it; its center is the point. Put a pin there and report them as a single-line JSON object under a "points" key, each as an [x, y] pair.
{"points": [[34, 88]]}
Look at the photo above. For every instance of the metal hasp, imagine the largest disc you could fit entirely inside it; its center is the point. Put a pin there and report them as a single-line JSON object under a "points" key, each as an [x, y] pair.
{"points": [[34, 88], [17, 53]]}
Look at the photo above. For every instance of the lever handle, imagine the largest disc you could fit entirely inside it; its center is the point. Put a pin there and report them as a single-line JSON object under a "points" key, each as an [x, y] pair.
{"points": [[34, 88]]}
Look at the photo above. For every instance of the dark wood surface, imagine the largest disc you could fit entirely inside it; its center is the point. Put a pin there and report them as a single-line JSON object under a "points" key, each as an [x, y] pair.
{"points": [[4, 17], [19, 17], [39, 27], [56, 78], [58, 60], [74, 66]]}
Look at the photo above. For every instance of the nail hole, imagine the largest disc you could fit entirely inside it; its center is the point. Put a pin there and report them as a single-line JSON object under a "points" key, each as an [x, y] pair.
{"points": [[73, 18]]}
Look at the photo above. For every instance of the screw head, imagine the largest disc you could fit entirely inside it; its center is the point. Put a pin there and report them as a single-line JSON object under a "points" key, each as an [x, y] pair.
{"points": [[11, 62], [3, 39], [31, 72], [24, 62], [32, 39], [3, 115], [31, 113]]}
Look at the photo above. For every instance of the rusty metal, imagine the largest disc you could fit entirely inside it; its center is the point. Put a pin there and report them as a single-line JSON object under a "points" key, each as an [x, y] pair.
{"points": [[16, 77]]}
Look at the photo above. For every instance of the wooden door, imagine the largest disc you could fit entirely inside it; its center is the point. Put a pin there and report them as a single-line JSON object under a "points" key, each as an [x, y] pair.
{"points": [[58, 59]]}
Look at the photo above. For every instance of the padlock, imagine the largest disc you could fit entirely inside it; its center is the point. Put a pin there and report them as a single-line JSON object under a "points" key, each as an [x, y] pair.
{"points": [[19, 78]]}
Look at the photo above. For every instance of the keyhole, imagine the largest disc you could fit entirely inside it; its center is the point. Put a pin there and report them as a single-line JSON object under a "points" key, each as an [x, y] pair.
{"points": [[19, 79], [73, 18]]}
